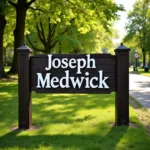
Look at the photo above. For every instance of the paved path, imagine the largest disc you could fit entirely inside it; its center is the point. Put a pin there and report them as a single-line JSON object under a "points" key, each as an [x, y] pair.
{"points": [[140, 89]]}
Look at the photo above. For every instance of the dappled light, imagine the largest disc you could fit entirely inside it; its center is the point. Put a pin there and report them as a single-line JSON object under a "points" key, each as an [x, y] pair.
{"points": [[68, 121], [66, 108], [72, 47]]}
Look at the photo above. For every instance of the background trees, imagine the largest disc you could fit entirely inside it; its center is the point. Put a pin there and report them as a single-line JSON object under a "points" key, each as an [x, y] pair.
{"points": [[2, 27], [21, 8], [55, 26], [138, 27], [66, 26]]}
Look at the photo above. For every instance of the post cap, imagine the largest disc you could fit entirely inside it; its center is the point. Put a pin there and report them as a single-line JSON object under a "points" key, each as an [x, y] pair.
{"points": [[122, 48], [24, 48]]}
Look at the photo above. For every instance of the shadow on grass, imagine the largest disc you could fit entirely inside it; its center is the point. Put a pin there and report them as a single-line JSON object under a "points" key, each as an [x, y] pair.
{"points": [[62, 141], [8, 102], [50, 109], [58, 108]]}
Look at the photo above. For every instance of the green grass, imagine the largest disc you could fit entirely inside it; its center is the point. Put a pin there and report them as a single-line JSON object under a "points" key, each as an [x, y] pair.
{"points": [[68, 122], [140, 71], [7, 68]]}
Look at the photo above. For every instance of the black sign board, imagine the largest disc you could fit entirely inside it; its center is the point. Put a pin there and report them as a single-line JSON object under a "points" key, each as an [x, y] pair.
{"points": [[73, 73]]}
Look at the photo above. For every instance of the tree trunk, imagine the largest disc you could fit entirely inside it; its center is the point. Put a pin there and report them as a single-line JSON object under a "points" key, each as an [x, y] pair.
{"points": [[144, 59], [59, 47], [18, 34], [5, 57], [2, 27], [149, 59]]}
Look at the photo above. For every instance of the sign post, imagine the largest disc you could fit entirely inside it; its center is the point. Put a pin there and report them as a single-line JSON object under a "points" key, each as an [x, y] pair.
{"points": [[136, 56], [24, 91], [73, 73], [122, 93]]}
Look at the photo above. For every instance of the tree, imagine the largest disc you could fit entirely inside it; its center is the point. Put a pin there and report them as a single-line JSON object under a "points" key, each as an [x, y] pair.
{"points": [[2, 28], [21, 8], [138, 26], [54, 19], [47, 33], [82, 10], [93, 41]]}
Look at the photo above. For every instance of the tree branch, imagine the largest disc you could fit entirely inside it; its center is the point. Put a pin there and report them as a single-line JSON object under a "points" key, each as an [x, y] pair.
{"points": [[13, 4], [53, 29], [51, 32], [33, 47], [67, 28], [71, 3], [40, 10], [42, 31], [38, 31], [29, 3], [37, 9], [53, 44]]}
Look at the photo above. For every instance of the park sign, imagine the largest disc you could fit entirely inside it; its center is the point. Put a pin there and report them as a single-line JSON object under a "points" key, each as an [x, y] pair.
{"points": [[77, 80], [73, 73]]}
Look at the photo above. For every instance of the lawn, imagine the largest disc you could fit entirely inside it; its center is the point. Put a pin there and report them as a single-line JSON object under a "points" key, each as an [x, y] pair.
{"points": [[140, 71], [7, 68], [68, 122]]}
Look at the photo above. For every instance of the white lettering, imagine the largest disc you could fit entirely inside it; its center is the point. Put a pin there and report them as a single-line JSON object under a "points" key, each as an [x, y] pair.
{"points": [[66, 80], [56, 63], [81, 63], [49, 63], [91, 82], [64, 63], [54, 80], [90, 60], [42, 81], [87, 80], [102, 81], [76, 82], [71, 62]]}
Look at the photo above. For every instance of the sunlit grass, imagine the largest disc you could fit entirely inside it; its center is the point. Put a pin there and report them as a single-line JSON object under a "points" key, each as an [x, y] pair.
{"points": [[140, 71], [11, 76], [7, 68], [68, 122]]}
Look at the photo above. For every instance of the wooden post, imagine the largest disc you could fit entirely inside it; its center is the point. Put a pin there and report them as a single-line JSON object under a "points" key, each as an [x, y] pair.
{"points": [[122, 93], [24, 92]]}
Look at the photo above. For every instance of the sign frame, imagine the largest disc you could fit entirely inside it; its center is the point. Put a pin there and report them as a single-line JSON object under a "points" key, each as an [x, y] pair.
{"points": [[25, 86]]}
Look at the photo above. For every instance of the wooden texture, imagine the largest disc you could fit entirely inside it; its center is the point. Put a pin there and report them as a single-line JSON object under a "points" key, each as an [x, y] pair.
{"points": [[104, 62], [24, 93], [116, 68], [122, 94]]}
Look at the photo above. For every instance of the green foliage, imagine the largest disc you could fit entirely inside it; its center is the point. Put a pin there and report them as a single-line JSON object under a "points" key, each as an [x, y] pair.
{"points": [[91, 42], [9, 13], [2, 7], [138, 27], [86, 13], [10, 26], [89, 20], [72, 25]]}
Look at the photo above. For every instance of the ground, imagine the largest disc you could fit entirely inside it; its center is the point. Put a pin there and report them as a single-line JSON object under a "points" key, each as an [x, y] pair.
{"points": [[68, 122]]}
